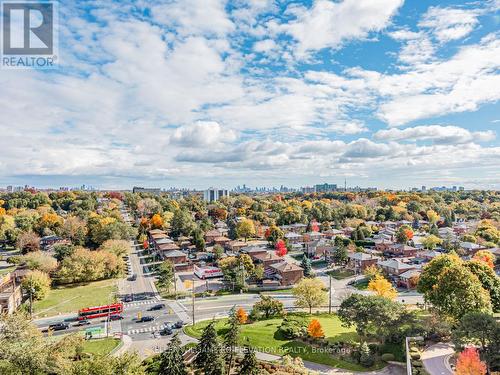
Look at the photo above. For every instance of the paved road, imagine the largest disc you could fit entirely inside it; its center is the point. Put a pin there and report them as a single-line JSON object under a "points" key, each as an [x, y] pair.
{"points": [[436, 357]]}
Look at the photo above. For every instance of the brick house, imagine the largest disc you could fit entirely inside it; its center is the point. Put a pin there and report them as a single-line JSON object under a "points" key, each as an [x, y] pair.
{"points": [[266, 259], [383, 245], [358, 262], [235, 246], [10, 293], [394, 267], [409, 279], [402, 250], [211, 235], [287, 273], [221, 240], [293, 237]]}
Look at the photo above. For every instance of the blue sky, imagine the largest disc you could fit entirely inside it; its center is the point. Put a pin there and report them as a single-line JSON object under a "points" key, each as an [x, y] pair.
{"points": [[386, 93]]}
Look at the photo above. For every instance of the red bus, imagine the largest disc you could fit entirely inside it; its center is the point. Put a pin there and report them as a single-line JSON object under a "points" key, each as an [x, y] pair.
{"points": [[100, 311]]}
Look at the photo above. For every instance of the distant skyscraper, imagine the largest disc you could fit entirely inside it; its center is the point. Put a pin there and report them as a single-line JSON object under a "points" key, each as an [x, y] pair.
{"points": [[325, 188], [213, 194]]}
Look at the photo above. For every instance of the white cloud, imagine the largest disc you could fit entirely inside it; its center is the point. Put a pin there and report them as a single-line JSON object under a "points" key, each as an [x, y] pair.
{"points": [[202, 134], [450, 23], [265, 45], [194, 17], [435, 133], [330, 24]]}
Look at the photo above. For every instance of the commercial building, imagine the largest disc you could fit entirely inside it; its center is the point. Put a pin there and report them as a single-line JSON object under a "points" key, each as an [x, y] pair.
{"points": [[213, 194], [325, 188], [155, 191]]}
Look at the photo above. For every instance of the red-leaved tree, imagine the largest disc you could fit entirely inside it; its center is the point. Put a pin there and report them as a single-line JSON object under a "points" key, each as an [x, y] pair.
{"points": [[280, 248], [469, 363]]}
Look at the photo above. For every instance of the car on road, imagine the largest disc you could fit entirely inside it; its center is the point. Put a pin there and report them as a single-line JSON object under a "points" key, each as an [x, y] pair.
{"points": [[59, 326], [116, 317], [128, 298], [157, 307], [166, 331], [147, 318], [156, 334], [83, 322], [132, 277], [179, 324]]}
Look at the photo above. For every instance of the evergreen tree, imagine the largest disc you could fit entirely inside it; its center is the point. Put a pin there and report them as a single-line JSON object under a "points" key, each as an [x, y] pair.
{"points": [[365, 357], [434, 230], [232, 232], [231, 338], [249, 365], [416, 223], [215, 366], [206, 346], [306, 265], [198, 239], [340, 255], [171, 361]]}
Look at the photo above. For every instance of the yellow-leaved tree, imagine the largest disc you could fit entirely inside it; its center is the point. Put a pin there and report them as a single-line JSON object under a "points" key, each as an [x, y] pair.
{"points": [[382, 287]]}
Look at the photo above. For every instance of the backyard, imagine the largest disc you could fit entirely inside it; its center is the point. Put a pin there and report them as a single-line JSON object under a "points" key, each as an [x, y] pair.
{"points": [[264, 336], [70, 298]]}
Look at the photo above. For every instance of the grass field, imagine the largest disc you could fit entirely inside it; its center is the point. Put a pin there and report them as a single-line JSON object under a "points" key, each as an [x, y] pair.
{"points": [[71, 298], [100, 346], [340, 274], [361, 285], [264, 336]]}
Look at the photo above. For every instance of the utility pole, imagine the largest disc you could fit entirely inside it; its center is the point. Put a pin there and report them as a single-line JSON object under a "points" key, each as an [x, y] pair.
{"points": [[31, 302], [193, 299], [330, 295]]}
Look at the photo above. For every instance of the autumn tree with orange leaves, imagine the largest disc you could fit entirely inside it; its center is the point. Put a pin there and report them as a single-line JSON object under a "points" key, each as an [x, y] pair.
{"points": [[241, 315], [485, 256], [157, 221], [315, 330], [469, 363]]}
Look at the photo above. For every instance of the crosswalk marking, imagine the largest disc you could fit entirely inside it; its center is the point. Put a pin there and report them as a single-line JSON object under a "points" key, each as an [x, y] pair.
{"points": [[145, 329], [139, 303]]}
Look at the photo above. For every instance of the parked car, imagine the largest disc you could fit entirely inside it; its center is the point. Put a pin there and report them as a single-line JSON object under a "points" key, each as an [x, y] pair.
{"points": [[156, 334], [157, 307], [128, 298], [116, 317], [133, 277], [147, 318], [178, 324], [59, 326], [83, 322]]}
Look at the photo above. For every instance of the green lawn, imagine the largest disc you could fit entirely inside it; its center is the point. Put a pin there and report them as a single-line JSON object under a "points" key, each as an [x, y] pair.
{"points": [[263, 336], [361, 285], [340, 274], [71, 298], [100, 346]]}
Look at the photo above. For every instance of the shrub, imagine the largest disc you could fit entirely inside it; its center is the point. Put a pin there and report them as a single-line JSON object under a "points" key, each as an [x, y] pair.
{"points": [[417, 363], [293, 326], [415, 356], [386, 357]]}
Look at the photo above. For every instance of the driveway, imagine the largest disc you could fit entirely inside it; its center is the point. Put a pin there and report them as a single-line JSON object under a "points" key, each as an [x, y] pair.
{"points": [[435, 359]]}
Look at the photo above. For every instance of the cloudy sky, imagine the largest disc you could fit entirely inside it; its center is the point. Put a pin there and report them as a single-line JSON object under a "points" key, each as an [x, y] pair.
{"points": [[386, 93]]}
